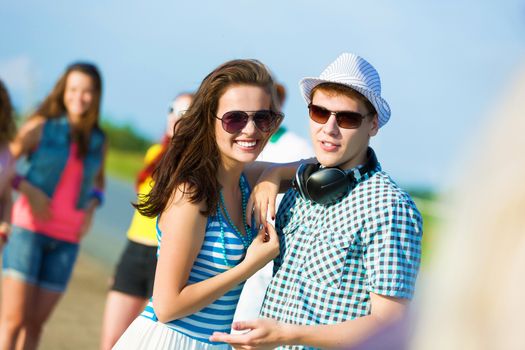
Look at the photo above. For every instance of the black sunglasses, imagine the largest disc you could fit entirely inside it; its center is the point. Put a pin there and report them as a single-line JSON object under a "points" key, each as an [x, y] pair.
{"points": [[264, 120], [345, 119]]}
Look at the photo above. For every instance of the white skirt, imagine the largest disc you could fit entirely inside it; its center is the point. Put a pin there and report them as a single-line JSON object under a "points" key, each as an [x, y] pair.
{"points": [[145, 334]]}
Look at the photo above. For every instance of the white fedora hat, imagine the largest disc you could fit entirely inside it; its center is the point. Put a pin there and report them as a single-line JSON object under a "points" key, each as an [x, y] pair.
{"points": [[355, 72]]}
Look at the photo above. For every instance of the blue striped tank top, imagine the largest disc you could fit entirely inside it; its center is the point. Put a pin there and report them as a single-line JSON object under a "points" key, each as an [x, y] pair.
{"points": [[217, 316]]}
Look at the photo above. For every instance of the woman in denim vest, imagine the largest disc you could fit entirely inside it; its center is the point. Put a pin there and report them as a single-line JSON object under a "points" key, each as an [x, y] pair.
{"points": [[59, 192]]}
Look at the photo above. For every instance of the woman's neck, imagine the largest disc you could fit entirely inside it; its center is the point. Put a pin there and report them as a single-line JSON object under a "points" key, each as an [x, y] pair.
{"points": [[229, 174]]}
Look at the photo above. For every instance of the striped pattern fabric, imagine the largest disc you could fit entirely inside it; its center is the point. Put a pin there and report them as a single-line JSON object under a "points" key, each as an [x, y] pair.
{"points": [[355, 72], [144, 334], [333, 256], [217, 316]]}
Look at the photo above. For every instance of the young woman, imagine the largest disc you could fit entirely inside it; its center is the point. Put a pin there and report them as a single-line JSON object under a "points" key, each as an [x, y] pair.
{"points": [[207, 248], [7, 165], [135, 273], [58, 195]]}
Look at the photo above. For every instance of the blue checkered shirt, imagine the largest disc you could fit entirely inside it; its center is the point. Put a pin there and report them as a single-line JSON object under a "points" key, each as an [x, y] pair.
{"points": [[333, 256]]}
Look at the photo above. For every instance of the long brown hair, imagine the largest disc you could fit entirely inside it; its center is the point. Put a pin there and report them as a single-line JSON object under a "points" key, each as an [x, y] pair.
{"points": [[7, 123], [193, 158], [53, 106]]}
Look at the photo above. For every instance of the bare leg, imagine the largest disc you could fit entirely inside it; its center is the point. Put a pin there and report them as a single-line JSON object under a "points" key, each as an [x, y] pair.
{"points": [[42, 305], [16, 295], [121, 309]]}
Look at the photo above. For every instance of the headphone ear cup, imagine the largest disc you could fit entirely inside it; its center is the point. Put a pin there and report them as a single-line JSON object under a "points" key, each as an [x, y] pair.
{"points": [[301, 178], [327, 185]]}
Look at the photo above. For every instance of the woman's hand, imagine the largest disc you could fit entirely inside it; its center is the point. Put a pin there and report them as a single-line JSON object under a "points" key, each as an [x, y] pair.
{"points": [[264, 248], [5, 231], [263, 197], [38, 201], [86, 225], [88, 218]]}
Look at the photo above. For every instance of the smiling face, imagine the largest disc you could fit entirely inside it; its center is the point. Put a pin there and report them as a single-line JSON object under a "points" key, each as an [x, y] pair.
{"points": [[333, 145], [78, 95], [244, 146]]}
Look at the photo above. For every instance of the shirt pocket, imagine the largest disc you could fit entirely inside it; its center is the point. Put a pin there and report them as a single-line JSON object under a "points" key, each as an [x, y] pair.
{"points": [[286, 239], [326, 257]]}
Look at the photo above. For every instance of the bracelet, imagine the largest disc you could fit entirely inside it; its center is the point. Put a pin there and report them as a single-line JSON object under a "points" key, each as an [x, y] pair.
{"points": [[17, 179], [98, 195]]}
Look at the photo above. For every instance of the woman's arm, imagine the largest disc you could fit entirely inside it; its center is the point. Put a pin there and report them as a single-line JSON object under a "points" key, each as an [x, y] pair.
{"points": [[271, 179], [26, 140], [100, 178], [95, 201], [28, 137], [255, 170], [183, 230], [6, 202]]}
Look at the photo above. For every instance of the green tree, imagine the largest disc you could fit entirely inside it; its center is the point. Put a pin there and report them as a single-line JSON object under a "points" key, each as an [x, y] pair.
{"points": [[125, 137]]}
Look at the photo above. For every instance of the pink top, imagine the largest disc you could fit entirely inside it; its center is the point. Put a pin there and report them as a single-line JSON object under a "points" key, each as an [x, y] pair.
{"points": [[66, 220]]}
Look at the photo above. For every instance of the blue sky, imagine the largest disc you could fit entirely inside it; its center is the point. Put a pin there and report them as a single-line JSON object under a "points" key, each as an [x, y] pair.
{"points": [[442, 63]]}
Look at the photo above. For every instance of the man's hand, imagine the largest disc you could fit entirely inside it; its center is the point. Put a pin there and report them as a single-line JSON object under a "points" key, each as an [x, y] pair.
{"points": [[263, 333], [266, 333]]}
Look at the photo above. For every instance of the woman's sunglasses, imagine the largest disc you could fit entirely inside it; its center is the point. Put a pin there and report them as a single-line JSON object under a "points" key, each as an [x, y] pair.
{"points": [[264, 120], [345, 119]]}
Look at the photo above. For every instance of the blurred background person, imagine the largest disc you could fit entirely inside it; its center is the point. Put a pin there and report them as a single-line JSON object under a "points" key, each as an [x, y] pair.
{"points": [[283, 147], [7, 164], [474, 295], [133, 282], [63, 185]]}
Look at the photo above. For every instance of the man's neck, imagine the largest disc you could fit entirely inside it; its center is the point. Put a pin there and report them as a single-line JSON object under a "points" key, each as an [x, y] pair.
{"points": [[359, 159]]}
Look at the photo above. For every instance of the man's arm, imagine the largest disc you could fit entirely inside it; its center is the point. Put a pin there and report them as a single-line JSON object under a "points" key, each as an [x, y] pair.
{"points": [[267, 333]]}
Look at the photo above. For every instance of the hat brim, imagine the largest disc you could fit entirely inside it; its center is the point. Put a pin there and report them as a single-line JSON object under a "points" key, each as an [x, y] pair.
{"points": [[382, 108]]}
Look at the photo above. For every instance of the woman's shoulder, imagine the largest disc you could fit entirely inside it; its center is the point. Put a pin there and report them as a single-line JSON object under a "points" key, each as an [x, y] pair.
{"points": [[180, 207], [181, 197]]}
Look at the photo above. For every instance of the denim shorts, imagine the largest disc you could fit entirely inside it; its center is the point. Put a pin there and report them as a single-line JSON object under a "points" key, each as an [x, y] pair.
{"points": [[39, 260]]}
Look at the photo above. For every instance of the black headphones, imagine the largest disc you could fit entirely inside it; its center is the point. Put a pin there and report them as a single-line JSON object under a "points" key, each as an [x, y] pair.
{"points": [[326, 185]]}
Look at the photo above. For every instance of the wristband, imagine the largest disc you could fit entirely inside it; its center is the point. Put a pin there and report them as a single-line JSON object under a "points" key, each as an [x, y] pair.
{"points": [[98, 195], [17, 179]]}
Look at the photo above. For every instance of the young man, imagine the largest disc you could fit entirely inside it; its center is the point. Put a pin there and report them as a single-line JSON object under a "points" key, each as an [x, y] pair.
{"points": [[350, 237]]}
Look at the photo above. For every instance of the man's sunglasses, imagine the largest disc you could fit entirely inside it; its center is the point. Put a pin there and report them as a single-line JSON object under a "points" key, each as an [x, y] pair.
{"points": [[345, 119], [265, 120]]}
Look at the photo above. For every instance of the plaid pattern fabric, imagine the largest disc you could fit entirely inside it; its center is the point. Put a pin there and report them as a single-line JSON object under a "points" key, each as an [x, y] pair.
{"points": [[333, 256]]}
